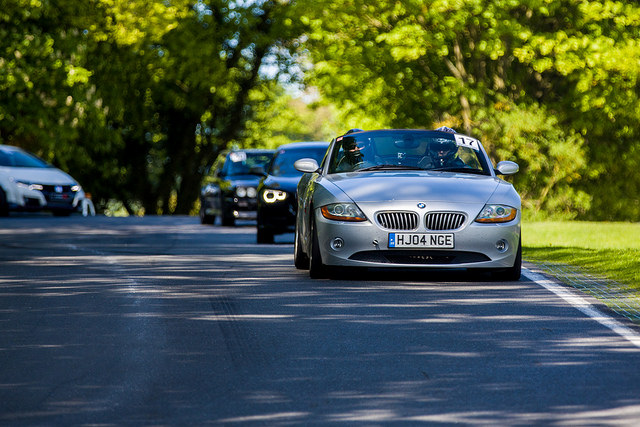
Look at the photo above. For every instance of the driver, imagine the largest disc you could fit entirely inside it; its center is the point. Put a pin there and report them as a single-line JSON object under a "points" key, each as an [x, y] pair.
{"points": [[353, 156], [441, 153]]}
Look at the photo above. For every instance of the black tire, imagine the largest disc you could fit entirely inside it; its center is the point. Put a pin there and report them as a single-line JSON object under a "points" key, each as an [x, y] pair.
{"points": [[512, 273], [317, 269], [228, 220], [300, 259], [264, 236], [206, 219], [4, 206]]}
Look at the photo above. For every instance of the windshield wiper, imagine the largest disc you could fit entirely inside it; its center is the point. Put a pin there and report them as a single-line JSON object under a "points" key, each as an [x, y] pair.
{"points": [[388, 167], [460, 169]]}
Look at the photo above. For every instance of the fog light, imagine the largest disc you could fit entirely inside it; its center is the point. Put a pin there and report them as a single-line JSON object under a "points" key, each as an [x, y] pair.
{"points": [[502, 245], [337, 244]]}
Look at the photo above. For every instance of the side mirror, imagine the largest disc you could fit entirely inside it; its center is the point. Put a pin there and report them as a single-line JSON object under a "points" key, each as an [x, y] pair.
{"points": [[507, 167], [306, 165]]}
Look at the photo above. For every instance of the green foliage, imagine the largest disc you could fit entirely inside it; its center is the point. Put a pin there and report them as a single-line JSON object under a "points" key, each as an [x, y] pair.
{"points": [[135, 98], [43, 81], [553, 159], [278, 119], [478, 64]]}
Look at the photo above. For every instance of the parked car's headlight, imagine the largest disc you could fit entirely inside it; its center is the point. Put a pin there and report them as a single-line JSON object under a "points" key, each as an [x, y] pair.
{"points": [[29, 186], [75, 188], [496, 213], [343, 212], [273, 196], [246, 192]]}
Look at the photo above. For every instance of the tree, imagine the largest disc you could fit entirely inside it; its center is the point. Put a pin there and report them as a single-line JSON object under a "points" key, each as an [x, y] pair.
{"points": [[135, 98], [43, 82], [190, 93], [472, 64]]}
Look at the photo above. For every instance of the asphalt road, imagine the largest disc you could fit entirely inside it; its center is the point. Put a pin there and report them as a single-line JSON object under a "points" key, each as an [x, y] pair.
{"points": [[163, 321]]}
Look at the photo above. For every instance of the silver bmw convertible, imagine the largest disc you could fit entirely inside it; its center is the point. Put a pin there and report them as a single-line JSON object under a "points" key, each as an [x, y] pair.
{"points": [[407, 199]]}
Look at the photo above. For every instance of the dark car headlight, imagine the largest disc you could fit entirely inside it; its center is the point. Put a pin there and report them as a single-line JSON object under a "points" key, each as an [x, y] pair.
{"points": [[274, 196], [246, 192]]}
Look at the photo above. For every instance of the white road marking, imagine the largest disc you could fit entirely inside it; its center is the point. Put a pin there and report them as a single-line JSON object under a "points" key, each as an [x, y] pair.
{"points": [[584, 306]]}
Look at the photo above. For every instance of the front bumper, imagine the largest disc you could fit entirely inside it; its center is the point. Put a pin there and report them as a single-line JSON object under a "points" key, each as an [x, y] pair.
{"points": [[278, 218], [242, 207], [50, 197], [365, 244]]}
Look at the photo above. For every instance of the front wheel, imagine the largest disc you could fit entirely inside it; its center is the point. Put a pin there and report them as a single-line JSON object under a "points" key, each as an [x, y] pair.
{"points": [[317, 270], [512, 273], [4, 206], [206, 219], [300, 259], [227, 218]]}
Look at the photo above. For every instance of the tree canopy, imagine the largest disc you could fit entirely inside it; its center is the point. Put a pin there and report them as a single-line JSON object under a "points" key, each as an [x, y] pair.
{"points": [[135, 98], [549, 84]]}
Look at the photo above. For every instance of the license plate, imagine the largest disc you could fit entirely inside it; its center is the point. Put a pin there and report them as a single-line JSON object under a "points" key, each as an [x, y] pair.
{"points": [[421, 240]]}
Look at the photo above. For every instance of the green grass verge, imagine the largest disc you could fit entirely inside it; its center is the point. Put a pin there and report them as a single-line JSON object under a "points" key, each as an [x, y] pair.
{"points": [[609, 249]]}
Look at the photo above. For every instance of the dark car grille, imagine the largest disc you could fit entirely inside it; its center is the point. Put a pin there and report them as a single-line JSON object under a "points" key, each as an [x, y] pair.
{"points": [[53, 197], [398, 220], [443, 220]]}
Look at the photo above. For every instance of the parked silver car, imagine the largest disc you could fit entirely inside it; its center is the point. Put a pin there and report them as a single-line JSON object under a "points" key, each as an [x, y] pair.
{"points": [[408, 199]]}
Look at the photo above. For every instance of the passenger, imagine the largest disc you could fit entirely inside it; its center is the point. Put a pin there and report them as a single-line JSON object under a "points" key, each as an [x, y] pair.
{"points": [[441, 153]]}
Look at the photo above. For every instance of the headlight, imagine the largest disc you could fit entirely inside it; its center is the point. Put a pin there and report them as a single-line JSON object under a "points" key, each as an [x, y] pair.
{"points": [[343, 212], [241, 192], [75, 188], [496, 213], [246, 192], [273, 196], [29, 186]]}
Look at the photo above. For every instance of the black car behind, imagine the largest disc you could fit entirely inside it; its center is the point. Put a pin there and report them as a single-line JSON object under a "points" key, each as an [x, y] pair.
{"points": [[277, 203], [229, 190]]}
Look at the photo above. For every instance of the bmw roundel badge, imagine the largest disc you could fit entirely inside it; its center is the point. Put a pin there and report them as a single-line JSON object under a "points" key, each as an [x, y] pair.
{"points": [[421, 205]]}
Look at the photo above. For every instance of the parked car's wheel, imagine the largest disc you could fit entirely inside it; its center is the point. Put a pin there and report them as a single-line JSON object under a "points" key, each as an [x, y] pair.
{"points": [[206, 219], [317, 270], [4, 206], [62, 212], [300, 259], [512, 273]]}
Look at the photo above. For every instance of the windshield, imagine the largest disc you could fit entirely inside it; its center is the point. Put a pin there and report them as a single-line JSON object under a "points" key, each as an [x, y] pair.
{"points": [[241, 162], [20, 159], [407, 150], [282, 164]]}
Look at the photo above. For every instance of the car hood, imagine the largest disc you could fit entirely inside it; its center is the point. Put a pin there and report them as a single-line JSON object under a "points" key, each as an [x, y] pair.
{"points": [[51, 176], [284, 183], [243, 180], [411, 186]]}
